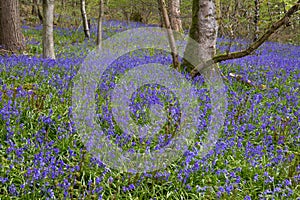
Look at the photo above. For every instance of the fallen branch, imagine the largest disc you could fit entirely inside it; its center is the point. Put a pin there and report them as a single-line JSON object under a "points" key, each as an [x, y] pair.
{"points": [[248, 82], [4, 51]]}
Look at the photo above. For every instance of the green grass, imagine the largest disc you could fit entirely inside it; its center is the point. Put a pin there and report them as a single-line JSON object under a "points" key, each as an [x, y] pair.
{"points": [[46, 98]]}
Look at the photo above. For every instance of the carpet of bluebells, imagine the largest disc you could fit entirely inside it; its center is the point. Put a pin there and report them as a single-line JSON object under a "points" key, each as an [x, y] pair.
{"points": [[43, 157]]}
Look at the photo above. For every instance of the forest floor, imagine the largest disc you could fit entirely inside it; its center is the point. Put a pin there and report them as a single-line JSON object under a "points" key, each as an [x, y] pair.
{"points": [[43, 155]]}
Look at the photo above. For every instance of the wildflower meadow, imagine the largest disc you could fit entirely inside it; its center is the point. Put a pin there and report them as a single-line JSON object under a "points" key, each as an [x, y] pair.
{"points": [[42, 154]]}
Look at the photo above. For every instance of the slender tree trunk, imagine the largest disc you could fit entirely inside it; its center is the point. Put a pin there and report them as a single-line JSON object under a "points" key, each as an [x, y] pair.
{"points": [[74, 7], [34, 7], [85, 20], [172, 43], [256, 19], [36, 10], [100, 19], [174, 12], [160, 14], [48, 41], [203, 30], [11, 37]]}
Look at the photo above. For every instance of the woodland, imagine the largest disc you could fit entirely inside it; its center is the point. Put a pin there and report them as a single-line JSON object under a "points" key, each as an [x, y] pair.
{"points": [[240, 63]]}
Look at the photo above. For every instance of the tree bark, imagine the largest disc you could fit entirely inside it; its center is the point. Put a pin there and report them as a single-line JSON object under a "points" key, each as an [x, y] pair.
{"points": [[256, 19], [171, 38], [239, 54], [34, 7], [84, 20], [74, 7], [203, 30], [100, 19], [36, 10], [160, 14], [48, 41], [174, 12], [11, 37]]}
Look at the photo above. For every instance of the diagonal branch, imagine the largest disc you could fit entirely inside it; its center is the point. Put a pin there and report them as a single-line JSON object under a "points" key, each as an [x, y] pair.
{"points": [[284, 20], [239, 54]]}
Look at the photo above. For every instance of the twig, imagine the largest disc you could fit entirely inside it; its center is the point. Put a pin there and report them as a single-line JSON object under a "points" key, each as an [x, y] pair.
{"points": [[248, 82]]}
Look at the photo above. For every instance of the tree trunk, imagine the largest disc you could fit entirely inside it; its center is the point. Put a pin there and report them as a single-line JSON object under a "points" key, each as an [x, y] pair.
{"points": [[11, 37], [36, 10], [171, 38], [232, 55], [99, 35], [203, 30], [174, 12], [85, 20], [48, 41], [256, 19], [160, 14], [74, 8]]}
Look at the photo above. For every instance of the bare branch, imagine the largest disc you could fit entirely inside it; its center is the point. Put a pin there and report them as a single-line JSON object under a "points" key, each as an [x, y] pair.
{"points": [[239, 54], [262, 39]]}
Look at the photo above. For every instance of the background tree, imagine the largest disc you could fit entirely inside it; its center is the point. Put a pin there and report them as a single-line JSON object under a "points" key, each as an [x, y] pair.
{"points": [[84, 19], [175, 58], [11, 37], [161, 20], [256, 19], [100, 19], [48, 40], [36, 10]]}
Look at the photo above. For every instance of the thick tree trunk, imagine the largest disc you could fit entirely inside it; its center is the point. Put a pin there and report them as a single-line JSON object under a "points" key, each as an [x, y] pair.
{"points": [[203, 30], [84, 20], [48, 41], [174, 12], [238, 54], [100, 19], [171, 38], [11, 37]]}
